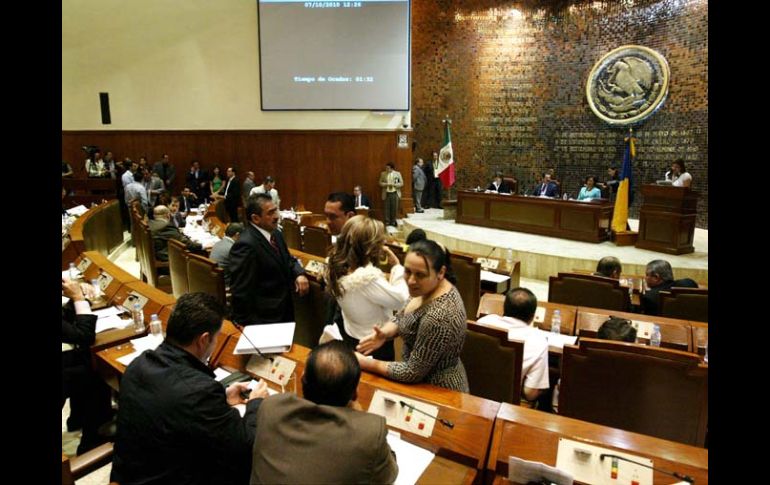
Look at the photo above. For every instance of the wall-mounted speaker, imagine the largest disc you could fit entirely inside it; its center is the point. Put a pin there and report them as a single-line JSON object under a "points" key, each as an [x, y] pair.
{"points": [[104, 101]]}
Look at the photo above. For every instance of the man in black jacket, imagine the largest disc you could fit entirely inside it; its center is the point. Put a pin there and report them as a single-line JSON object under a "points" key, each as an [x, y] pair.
{"points": [[90, 397], [232, 195], [263, 273], [176, 424], [660, 277]]}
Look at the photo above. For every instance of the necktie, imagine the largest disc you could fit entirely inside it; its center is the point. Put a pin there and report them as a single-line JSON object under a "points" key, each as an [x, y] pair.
{"points": [[274, 244]]}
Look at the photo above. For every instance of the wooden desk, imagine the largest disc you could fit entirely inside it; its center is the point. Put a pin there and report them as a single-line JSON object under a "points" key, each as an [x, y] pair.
{"points": [[534, 435], [674, 333], [568, 219], [101, 265], [700, 337], [667, 219], [463, 448], [157, 300]]}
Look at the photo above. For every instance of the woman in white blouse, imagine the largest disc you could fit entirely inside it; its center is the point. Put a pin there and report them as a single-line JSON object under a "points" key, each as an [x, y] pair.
{"points": [[365, 296]]}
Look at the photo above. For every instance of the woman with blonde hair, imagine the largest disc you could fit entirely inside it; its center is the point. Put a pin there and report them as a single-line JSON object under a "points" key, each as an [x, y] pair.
{"points": [[365, 296]]}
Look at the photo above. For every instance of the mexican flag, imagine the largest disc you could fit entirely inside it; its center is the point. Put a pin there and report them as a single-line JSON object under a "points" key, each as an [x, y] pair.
{"points": [[445, 169]]}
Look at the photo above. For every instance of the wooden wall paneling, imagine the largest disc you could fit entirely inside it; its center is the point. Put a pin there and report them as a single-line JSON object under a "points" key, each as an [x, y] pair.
{"points": [[307, 164]]}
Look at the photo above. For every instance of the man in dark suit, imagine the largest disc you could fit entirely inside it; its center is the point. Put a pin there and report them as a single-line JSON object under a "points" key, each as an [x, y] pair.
{"points": [[198, 181], [547, 188], [166, 170], [162, 229], [262, 271], [660, 277], [187, 201], [90, 397], [360, 200], [325, 437], [176, 423], [499, 185], [232, 194]]}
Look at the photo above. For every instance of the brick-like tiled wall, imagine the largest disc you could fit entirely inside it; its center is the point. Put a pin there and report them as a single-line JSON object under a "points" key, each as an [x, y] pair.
{"points": [[512, 79]]}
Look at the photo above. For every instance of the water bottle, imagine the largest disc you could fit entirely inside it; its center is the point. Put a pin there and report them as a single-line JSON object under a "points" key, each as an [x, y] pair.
{"points": [[156, 326], [706, 356], [655, 336], [97, 288], [138, 318], [565, 196], [509, 258], [556, 322], [73, 272]]}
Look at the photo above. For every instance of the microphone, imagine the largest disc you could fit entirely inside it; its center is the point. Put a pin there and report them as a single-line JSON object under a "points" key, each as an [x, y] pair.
{"points": [[686, 478], [240, 329], [443, 421], [490, 253]]}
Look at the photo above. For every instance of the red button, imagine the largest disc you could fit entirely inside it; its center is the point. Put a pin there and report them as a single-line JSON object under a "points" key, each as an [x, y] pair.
{"points": [[421, 426], [408, 418]]}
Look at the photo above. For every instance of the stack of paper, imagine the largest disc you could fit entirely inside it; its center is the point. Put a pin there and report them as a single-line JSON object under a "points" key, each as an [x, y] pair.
{"points": [[412, 460], [271, 338]]}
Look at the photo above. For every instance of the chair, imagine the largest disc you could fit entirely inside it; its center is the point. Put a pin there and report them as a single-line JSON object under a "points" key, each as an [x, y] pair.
{"points": [[220, 211], [493, 363], [177, 266], [316, 241], [490, 304], [648, 390], [203, 275], [675, 334], [513, 183], [685, 303], [309, 311], [81, 465], [291, 234], [588, 290], [149, 265], [468, 274]]}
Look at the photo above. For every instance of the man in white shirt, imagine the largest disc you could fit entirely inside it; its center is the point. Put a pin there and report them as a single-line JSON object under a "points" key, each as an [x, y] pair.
{"points": [[519, 312], [268, 187]]}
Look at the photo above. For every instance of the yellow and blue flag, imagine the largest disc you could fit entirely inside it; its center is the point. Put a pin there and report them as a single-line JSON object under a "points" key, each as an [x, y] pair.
{"points": [[625, 195]]}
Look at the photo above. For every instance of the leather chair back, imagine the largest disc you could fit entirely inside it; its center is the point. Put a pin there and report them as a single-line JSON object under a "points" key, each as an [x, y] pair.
{"points": [[685, 303], [468, 274], [203, 275], [177, 266], [649, 390], [292, 234], [316, 241], [588, 290], [493, 363]]}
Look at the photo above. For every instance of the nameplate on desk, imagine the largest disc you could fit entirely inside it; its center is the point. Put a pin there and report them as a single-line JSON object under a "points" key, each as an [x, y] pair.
{"points": [[134, 298], [643, 329], [104, 280], [415, 419], [84, 264], [278, 371], [315, 267], [584, 463], [487, 263]]}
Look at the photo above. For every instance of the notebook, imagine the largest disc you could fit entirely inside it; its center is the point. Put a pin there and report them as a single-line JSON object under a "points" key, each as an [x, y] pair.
{"points": [[270, 338]]}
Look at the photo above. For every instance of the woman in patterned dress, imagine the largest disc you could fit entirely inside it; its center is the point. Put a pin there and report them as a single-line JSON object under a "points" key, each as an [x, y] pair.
{"points": [[432, 325]]}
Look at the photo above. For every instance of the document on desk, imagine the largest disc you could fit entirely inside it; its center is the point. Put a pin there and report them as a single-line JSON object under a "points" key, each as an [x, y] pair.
{"points": [[412, 460], [148, 342], [493, 277], [415, 418], [558, 340], [525, 471], [77, 211], [110, 322], [270, 338]]}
